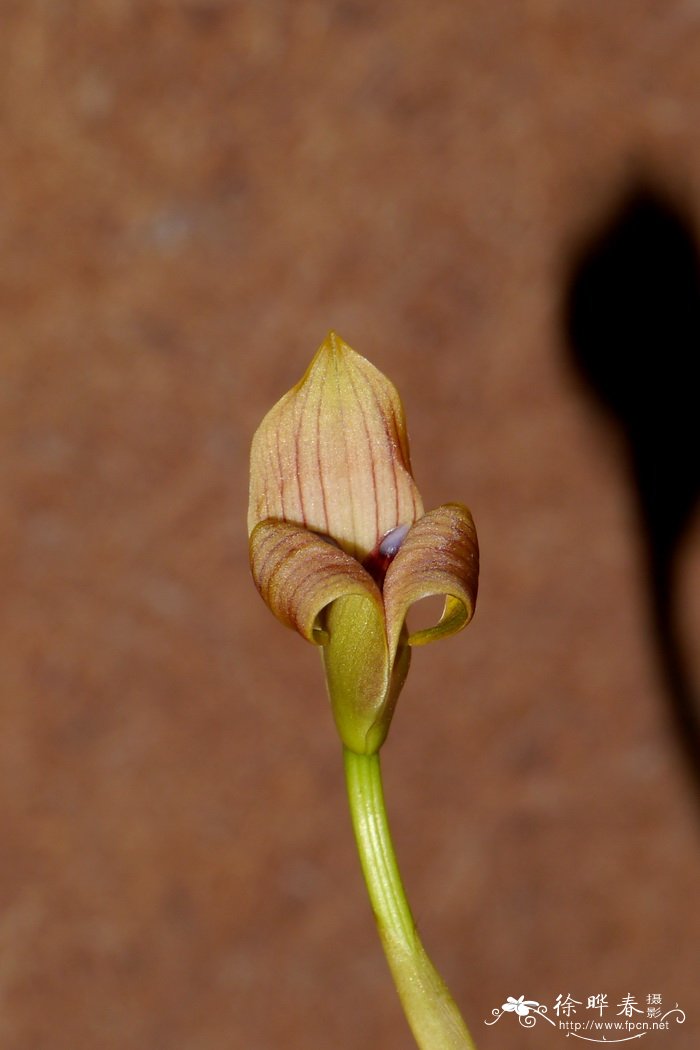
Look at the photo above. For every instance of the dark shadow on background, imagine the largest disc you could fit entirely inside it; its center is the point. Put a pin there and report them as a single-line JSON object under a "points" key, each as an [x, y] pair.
{"points": [[633, 323]]}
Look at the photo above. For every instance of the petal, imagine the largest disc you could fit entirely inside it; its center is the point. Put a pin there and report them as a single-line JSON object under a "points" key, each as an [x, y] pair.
{"points": [[333, 454], [298, 574], [440, 555]]}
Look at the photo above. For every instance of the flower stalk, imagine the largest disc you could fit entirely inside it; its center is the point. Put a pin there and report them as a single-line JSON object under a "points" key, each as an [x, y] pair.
{"points": [[430, 1010]]}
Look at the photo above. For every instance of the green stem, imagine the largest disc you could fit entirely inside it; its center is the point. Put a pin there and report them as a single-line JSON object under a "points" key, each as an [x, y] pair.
{"points": [[430, 1010]]}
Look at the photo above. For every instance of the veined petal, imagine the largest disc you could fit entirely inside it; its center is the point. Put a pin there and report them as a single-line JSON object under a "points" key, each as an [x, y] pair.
{"points": [[298, 574], [440, 555], [332, 454]]}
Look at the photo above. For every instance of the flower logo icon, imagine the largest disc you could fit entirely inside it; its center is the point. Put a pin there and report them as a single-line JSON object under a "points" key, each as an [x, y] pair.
{"points": [[528, 1011], [521, 1006]]}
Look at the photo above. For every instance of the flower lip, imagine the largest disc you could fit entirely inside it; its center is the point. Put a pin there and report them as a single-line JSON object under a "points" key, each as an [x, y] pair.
{"points": [[379, 560], [389, 545]]}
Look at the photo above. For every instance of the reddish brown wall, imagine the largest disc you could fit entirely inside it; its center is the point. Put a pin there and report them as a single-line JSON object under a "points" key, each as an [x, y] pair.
{"points": [[191, 194]]}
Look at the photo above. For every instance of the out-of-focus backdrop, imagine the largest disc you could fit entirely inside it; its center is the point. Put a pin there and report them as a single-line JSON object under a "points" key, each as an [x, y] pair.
{"points": [[475, 196]]}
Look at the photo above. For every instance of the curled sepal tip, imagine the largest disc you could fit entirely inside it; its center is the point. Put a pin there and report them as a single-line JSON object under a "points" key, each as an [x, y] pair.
{"points": [[299, 574], [440, 556]]}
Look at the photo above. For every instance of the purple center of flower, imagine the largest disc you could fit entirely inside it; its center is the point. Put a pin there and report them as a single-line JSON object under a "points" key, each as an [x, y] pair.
{"points": [[378, 561]]}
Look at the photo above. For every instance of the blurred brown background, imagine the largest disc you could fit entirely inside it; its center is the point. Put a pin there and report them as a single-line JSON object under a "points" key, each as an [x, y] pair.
{"points": [[191, 194]]}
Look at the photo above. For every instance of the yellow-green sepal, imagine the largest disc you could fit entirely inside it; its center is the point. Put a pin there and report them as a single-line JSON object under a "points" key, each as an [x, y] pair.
{"points": [[363, 683]]}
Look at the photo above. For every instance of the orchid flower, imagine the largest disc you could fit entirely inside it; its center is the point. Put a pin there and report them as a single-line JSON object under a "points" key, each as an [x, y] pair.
{"points": [[330, 462], [340, 549]]}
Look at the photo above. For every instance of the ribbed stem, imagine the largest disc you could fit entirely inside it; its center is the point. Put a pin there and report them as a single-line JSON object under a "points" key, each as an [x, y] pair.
{"points": [[430, 1010]]}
